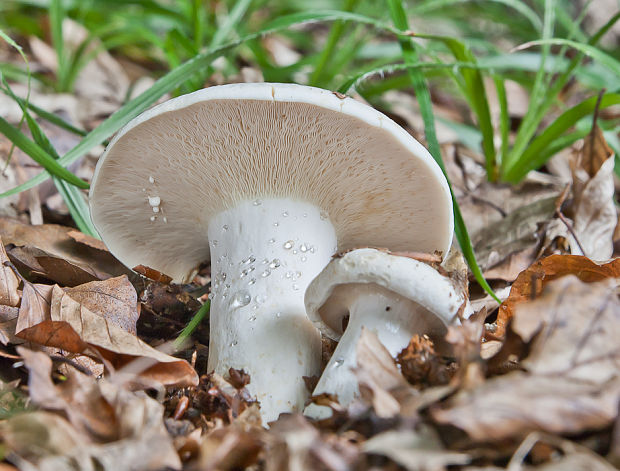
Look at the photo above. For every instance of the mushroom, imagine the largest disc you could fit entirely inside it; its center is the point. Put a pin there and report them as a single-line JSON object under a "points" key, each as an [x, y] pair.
{"points": [[393, 296], [266, 181]]}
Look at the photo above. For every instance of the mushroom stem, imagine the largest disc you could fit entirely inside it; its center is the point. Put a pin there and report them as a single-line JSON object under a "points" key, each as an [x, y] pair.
{"points": [[263, 256], [393, 318]]}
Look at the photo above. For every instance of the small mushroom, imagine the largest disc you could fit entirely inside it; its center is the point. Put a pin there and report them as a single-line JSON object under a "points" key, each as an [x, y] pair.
{"points": [[393, 296], [267, 181]]}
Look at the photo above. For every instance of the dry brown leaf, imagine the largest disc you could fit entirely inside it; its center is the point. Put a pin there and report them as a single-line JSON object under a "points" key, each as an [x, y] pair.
{"points": [[35, 324], [8, 324], [294, 444], [99, 412], [42, 441], [50, 316], [573, 383], [421, 365], [593, 209], [8, 281], [115, 299], [575, 462], [573, 330], [414, 450], [507, 247], [530, 283], [152, 274], [87, 240], [49, 251], [378, 375], [34, 435], [513, 405], [230, 448]]}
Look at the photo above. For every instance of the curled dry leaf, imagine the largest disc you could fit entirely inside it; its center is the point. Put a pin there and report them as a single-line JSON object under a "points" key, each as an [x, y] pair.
{"points": [[592, 209], [114, 299], [530, 283], [218, 398], [47, 251], [294, 444], [378, 375], [421, 365], [52, 317], [153, 274], [85, 239], [573, 382], [9, 282], [414, 450], [97, 412], [230, 448], [573, 330]]}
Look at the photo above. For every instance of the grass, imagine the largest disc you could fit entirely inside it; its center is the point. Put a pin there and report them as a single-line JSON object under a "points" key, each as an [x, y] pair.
{"points": [[539, 44]]}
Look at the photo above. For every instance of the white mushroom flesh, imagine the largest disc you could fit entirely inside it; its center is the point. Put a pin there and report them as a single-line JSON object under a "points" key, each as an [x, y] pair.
{"points": [[264, 253]]}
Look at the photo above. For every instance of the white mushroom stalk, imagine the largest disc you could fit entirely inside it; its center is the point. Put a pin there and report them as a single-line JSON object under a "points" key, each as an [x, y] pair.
{"points": [[264, 253], [394, 297]]}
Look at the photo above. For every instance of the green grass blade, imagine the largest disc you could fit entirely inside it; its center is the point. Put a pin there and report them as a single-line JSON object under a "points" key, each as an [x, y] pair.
{"points": [[72, 195], [355, 80], [186, 333], [534, 156], [476, 96], [504, 117], [529, 123], [595, 53], [536, 114], [56, 17], [234, 17], [53, 119], [78, 208], [519, 6], [39, 155], [426, 108], [317, 77]]}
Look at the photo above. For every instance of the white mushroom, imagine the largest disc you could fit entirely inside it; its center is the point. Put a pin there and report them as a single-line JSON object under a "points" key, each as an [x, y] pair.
{"points": [[267, 181], [393, 296]]}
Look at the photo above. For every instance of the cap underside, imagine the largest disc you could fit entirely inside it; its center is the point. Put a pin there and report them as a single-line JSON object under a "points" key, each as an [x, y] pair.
{"points": [[208, 156]]}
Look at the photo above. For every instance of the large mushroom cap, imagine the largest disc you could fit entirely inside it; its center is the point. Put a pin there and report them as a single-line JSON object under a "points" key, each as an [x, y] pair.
{"points": [[172, 168]]}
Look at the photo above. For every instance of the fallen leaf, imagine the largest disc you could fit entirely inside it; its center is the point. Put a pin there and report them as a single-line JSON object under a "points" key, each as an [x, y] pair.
{"points": [[52, 317], [87, 240], [575, 462], [218, 398], [43, 441], [294, 444], [378, 375], [572, 330], [35, 324], [152, 274], [530, 283], [414, 450], [98, 412], [8, 324], [115, 299], [47, 250], [593, 208], [8, 281], [572, 378], [421, 365], [230, 448], [507, 247], [34, 435], [515, 404]]}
